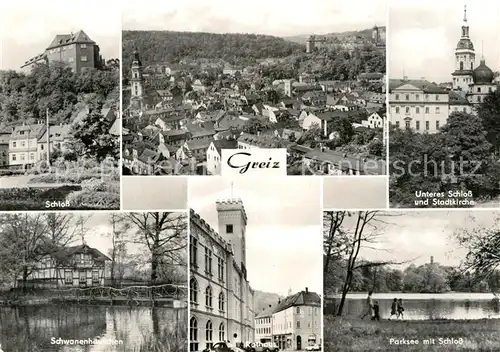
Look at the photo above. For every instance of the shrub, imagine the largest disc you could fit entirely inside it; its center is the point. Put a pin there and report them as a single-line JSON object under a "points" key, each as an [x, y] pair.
{"points": [[97, 185], [94, 200]]}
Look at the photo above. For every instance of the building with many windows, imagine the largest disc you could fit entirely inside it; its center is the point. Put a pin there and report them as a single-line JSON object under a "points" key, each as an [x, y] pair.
{"points": [[77, 50], [293, 323], [418, 104], [221, 299], [424, 106], [23, 144]]}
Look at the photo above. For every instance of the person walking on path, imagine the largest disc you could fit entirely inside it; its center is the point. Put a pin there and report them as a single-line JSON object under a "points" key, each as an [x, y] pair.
{"points": [[376, 311], [394, 308], [401, 309], [369, 306]]}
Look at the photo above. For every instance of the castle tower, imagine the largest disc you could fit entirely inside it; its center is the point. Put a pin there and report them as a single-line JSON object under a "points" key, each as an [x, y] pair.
{"points": [[136, 83], [311, 41], [375, 35], [432, 259], [232, 227], [464, 59]]}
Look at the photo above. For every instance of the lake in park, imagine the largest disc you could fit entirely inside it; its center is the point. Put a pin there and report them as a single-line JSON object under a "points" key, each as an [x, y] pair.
{"points": [[32, 328], [424, 306]]}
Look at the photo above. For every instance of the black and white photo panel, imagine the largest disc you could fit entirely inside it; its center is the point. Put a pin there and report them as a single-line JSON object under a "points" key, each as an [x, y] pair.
{"points": [[202, 81], [59, 107], [411, 281], [443, 104]]}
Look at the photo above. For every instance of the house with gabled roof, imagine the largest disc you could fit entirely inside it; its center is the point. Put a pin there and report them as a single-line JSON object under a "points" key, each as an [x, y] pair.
{"points": [[76, 50], [293, 323], [214, 154], [23, 144], [77, 266]]}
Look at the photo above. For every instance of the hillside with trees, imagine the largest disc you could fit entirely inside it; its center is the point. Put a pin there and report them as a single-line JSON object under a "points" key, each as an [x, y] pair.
{"points": [[25, 97], [172, 47], [364, 34], [263, 300]]}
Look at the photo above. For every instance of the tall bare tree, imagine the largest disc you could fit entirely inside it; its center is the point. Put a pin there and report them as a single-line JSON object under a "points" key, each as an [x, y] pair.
{"points": [[344, 244], [483, 248], [164, 234], [21, 238], [333, 238], [118, 228], [63, 229]]}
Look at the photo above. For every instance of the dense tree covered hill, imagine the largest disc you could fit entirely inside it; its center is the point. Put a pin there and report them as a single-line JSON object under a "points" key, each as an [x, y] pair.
{"points": [[25, 97], [167, 46]]}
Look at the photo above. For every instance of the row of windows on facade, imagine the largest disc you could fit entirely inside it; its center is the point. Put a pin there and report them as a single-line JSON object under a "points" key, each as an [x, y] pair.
{"points": [[298, 310], [465, 80], [193, 248], [67, 47], [193, 295], [193, 334], [417, 125], [68, 277], [22, 157], [284, 326], [437, 110], [32, 143], [417, 97]]}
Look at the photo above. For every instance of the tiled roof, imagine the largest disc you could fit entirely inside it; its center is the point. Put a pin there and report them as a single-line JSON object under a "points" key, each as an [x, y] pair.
{"points": [[149, 156], [27, 131], [422, 84], [199, 144], [65, 255], [79, 37], [299, 299], [58, 133], [225, 144]]}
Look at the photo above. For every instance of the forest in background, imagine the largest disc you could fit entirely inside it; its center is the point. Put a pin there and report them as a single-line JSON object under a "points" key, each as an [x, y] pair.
{"points": [[328, 63]]}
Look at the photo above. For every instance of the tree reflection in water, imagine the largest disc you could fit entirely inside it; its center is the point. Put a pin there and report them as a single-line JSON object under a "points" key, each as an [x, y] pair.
{"points": [[140, 328]]}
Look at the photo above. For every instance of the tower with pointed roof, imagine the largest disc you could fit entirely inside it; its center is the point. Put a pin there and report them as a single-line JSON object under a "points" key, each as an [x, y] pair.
{"points": [[136, 83], [465, 57]]}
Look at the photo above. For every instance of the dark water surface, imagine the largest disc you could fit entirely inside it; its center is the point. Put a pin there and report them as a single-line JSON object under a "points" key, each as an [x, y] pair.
{"points": [[37, 328]]}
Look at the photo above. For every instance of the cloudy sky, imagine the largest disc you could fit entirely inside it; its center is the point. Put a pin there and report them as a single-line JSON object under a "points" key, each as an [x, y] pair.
{"points": [[283, 235], [28, 27], [417, 236], [277, 17], [98, 231], [423, 35]]}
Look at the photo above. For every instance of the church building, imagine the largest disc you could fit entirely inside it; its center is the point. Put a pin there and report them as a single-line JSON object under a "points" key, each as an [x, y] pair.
{"points": [[424, 106]]}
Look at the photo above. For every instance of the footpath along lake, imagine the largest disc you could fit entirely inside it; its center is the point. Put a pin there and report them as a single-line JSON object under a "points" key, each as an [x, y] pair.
{"points": [[428, 306]]}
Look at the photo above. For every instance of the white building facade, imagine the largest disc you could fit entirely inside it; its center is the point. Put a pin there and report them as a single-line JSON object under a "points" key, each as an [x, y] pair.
{"points": [[221, 299]]}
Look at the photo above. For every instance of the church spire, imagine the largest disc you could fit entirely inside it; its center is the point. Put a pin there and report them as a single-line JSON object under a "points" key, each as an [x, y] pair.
{"points": [[465, 25]]}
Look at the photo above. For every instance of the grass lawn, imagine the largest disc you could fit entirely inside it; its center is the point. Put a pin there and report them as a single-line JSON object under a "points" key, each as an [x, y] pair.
{"points": [[354, 334], [35, 199]]}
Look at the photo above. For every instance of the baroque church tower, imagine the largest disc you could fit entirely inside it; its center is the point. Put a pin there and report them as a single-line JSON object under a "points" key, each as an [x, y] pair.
{"points": [[464, 59], [136, 83]]}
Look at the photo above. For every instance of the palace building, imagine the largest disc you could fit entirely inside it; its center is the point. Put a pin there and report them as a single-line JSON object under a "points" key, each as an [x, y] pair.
{"points": [[77, 50], [424, 106], [220, 296]]}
